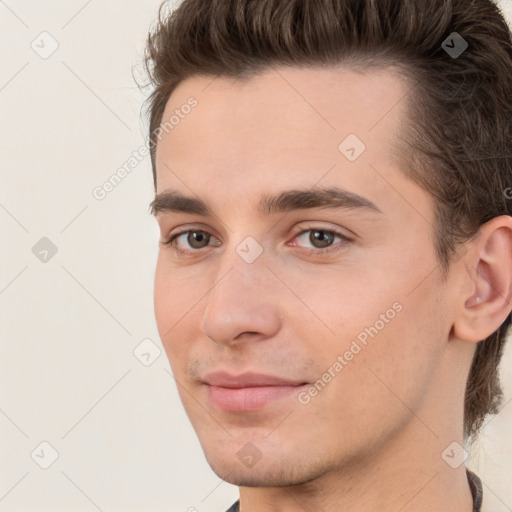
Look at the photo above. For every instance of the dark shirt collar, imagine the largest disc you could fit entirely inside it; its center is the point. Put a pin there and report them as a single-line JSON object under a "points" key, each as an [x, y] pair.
{"points": [[475, 484]]}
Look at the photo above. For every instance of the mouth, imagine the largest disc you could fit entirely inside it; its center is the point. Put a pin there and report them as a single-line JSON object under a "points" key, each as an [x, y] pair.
{"points": [[249, 399], [249, 391]]}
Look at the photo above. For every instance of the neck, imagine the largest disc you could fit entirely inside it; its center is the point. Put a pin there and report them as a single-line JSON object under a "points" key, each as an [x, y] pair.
{"points": [[408, 475]]}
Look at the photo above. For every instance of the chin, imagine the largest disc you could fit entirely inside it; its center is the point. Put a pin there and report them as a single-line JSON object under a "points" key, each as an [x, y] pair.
{"points": [[275, 472]]}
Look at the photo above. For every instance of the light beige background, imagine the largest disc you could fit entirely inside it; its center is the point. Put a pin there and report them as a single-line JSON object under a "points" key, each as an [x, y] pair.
{"points": [[69, 325]]}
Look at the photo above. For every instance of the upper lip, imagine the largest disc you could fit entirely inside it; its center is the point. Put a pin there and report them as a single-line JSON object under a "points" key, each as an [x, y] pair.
{"points": [[247, 380]]}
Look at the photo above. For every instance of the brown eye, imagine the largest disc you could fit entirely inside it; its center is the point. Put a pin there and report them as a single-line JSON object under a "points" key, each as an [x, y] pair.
{"points": [[321, 238], [191, 241], [196, 238], [321, 241]]}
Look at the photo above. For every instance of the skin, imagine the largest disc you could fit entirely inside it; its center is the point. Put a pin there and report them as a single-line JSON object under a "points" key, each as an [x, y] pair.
{"points": [[372, 438]]}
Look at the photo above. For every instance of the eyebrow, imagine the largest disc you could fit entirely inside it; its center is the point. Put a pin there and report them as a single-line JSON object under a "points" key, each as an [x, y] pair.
{"points": [[285, 201]]}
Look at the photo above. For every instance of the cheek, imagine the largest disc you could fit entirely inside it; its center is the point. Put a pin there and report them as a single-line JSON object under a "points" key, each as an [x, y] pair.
{"points": [[164, 298], [381, 317], [174, 306], [400, 357], [176, 292], [342, 305]]}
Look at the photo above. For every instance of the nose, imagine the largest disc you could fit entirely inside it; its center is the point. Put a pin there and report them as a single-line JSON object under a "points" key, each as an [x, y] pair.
{"points": [[242, 302]]}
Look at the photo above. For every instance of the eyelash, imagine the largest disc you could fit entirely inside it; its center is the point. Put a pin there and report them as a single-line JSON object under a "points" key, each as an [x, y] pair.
{"points": [[308, 251]]}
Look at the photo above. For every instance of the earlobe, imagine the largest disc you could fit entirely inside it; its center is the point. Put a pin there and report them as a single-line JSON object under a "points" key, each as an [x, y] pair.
{"points": [[489, 272]]}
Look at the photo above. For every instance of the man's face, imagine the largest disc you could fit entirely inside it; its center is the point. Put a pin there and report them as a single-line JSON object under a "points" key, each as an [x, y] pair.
{"points": [[361, 316]]}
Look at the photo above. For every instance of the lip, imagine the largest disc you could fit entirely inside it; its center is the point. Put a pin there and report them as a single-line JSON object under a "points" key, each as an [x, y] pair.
{"points": [[249, 391], [247, 380]]}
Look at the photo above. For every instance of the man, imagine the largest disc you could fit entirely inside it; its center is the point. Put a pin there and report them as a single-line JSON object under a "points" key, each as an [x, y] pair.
{"points": [[334, 279]]}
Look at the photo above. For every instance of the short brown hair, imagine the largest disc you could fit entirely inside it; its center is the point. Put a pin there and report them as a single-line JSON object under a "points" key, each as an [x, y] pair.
{"points": [[457, 140]]}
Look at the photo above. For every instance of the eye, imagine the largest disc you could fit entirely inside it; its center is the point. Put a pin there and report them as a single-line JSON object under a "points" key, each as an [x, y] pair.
{"points": [[196, 239], [321, 239]]}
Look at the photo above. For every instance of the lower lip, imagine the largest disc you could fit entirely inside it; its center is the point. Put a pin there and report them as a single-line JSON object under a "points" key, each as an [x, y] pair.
{"points": [[248, 399]]}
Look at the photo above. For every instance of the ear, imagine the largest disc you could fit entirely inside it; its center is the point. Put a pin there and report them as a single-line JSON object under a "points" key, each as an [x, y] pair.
{"points": [[486, 300]]}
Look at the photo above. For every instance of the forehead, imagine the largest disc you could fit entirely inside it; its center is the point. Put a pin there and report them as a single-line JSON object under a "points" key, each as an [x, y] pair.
{"points": [[284, 124]]}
